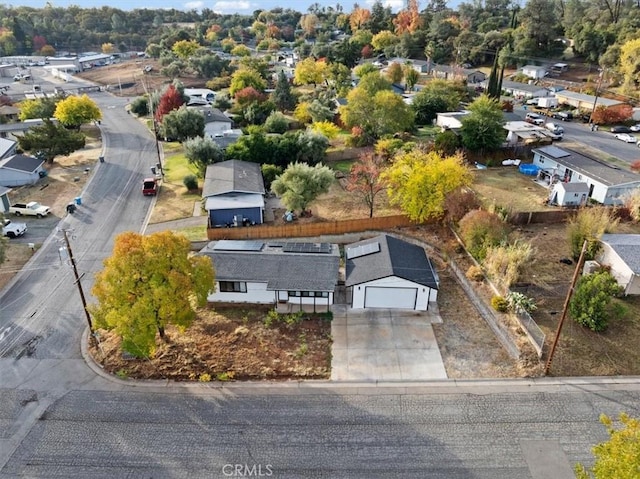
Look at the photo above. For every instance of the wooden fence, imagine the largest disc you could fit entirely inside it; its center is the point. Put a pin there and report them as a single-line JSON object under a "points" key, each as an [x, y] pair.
{"points": [[555, 216], [302, 230]]}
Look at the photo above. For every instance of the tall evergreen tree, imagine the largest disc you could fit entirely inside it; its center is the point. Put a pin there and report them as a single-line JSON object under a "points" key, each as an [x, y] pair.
{"points": [[282, 96]]}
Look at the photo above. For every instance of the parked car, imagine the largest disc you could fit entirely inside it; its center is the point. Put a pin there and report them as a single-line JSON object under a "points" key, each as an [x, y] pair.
{"points": [[534, 118], [620, 129], [563, 115], [11, 229], [149, 187], [635, 128], [627, 138]]}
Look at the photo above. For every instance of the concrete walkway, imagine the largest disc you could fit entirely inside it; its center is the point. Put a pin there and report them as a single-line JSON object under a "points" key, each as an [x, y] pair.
{"points": [[384, 345]]}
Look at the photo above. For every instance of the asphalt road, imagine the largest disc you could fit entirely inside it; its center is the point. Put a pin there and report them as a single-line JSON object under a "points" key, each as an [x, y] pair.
{"points": [[60, 419]]}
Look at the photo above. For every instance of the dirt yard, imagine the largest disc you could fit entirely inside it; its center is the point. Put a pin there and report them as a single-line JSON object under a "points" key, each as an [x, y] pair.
{"points": [[230, 343]]}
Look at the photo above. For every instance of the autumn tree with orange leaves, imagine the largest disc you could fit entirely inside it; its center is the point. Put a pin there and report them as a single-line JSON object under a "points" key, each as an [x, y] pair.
{"points": [[408, 20], [365, 178], [358, 18]]}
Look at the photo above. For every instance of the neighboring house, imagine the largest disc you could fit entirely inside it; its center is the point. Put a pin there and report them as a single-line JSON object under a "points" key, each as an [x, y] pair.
{"points": [[215, 122], [453, 72], [387, 272], [15, 130], [234, 191], [584, 101], [569, 194], [621, 252], [521, 132], [18, 170], [534, 71], [200, 94], [7, 148], [451, 120], [89, 61], [227, 138], [9, 113], [293, 275], [4, 199], [520, 90], [607, 183], [421, 66]]}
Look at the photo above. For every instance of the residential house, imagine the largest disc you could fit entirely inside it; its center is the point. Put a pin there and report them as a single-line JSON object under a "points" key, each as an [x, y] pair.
{"points": [[520, 90], [534, 71], [621, 252], [15, 130], [9, 113], [288, 275], [19, 170], [607, 183], [233, 193], [583, 101], [215, 122], [451, 120], [227, 138], [421, 66], [4, 199], [521, 132], [200, 95], [7, 148], [387, 272], [454, 72]]}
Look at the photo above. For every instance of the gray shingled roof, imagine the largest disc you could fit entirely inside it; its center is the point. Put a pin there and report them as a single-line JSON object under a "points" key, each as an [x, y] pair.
{"points": [[233, 176], [281, 271], [25, 163], [212, 114], [627, 247], [598, 170], [395, 258]]}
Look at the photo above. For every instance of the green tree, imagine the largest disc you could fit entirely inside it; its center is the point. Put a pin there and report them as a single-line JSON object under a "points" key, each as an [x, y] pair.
{"points": [[241, 51], [202, 152], [148, 283], [320, 112], [482, 130], [255, 147], [276, 122], [270, 173], [591, 299], [310, 71], [419, 182], [140, 106], [37, 108], [394, 73], [300, 184], [629, 61], [411, 76], [311, 147], [184, 49], [437, 96], [618, 457], [50, 140], [246, 77], [75, 111], [282, 97], [383, 40], [183, 123]]}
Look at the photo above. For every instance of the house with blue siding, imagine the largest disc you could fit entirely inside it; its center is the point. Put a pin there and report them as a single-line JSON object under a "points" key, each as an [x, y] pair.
{"points": [[233, 193]]}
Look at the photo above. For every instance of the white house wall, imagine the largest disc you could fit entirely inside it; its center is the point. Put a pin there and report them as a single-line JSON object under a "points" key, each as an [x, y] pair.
{"points": [[619, 270], [256, 293], [425, 294]]}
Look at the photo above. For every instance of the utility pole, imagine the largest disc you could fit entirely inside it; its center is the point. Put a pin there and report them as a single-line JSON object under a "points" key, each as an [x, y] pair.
{"points": [[78, 283], [155, 126], [595, 101], [574, 280]]}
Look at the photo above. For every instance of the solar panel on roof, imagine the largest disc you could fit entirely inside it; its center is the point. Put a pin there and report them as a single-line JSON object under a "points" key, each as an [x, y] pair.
{"points": [[555, 152], [238, 245], [363, 250], [324, 248]]}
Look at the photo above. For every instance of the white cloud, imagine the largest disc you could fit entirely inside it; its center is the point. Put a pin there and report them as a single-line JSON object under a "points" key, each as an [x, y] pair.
{"points": [[232, 7], [194, 5]]}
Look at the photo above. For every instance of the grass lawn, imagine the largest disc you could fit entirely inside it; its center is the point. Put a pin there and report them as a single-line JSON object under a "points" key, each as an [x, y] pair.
{"points": [[174, 201], [427, 132], [508, 188], [343, 165]]}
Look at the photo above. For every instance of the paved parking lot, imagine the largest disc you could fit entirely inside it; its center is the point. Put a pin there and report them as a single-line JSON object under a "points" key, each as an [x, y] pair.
{"points": [[385, 345]]}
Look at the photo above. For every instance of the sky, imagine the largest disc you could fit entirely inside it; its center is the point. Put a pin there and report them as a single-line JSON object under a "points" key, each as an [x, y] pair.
{"points": [[221, 6]]}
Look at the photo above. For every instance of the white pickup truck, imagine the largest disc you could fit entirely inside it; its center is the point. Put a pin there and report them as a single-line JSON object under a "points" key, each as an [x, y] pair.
{"points": [[29, 209], [13, 230]]}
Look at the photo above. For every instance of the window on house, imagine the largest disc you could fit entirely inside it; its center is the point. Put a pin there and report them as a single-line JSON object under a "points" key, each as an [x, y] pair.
{"points": [[233, 287], [309, 294]]}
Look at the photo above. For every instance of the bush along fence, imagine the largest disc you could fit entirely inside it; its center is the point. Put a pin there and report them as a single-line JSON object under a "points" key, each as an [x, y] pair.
{"points": [[534, 334]]}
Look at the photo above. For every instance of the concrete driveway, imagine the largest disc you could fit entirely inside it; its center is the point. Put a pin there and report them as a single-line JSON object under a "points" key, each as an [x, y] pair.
{"points": [[384, 345]]}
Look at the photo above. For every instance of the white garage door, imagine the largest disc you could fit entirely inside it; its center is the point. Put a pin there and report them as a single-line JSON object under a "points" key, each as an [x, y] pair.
{"points": [[402, 298]]}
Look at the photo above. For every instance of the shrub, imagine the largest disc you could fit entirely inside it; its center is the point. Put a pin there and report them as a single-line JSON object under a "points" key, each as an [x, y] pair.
{"points": [[518, 302], [474, 273], [590, 304], [505, 263], [499, 304], [458, 203], [204, 378], [190, 182], [480, 230], [635, 166], [632, 203], [326, 128], [276, 123], [140, 106], [589, 224]]}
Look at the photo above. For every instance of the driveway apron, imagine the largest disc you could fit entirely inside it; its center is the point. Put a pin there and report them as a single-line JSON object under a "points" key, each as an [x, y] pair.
{"points": [[385, 345]]}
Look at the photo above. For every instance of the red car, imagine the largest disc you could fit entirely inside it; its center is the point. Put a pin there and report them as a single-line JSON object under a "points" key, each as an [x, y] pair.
{"points": [[149, 187]]}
